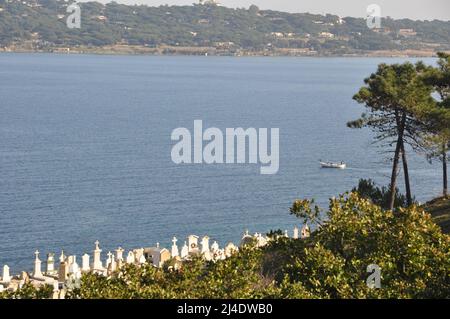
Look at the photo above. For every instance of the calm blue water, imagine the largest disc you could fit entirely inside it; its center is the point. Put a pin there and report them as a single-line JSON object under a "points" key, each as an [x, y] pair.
{"points": [[85, 147]]}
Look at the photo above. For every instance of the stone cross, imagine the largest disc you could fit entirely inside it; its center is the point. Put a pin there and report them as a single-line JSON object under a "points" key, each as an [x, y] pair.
{"points": [[174, 252], [37, 273], [97, 257], [109, 260], [6, 278]]}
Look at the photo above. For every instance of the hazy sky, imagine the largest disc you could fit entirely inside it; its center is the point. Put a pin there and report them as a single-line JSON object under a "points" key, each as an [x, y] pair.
{"points": [[413, 9]]}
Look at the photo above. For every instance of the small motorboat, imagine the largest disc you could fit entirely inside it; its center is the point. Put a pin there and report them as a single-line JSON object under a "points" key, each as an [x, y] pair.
{"points": [[340, 165]]}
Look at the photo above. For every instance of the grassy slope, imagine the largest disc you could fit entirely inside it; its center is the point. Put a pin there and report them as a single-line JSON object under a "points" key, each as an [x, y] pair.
{"points": [[439, 208]]}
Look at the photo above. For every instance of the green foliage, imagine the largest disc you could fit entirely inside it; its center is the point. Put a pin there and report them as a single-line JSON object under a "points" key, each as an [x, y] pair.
{"points": [[239, 276], [28, 291], [392, 91], [301, 208], [439, 79], [379, 196], [413, 254]]}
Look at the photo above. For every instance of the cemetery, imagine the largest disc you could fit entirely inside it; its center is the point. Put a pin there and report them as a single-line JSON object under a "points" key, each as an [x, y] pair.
{"points": [[65, 272]]}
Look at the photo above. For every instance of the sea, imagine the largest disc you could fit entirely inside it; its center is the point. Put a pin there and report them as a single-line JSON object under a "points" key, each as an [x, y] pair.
{"points": [[85, 148]]}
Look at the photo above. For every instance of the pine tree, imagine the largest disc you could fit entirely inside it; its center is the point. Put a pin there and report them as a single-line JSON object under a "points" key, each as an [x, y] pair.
{"points": [[395, 96], [439, 127]]}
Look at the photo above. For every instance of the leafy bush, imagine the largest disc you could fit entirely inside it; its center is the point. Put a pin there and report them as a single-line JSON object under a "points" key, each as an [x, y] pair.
{"points": [[379, 196], [413, 254], [28, 291]]}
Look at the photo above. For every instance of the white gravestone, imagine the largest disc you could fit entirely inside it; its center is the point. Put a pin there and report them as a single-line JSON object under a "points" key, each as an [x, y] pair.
{"points": [[37, 272], [205, 244], [137, 254], [70, 260], [74, 268], [295, 232], [215, 246], [193, 243], [205, 248], [261, 241], [97, 257], [119, 253], [113, 264], [130, 258], [50, 263], [55, 290], [230, 249], [174, 251], [85, 263], [62, 258], [6, 278], [109, 259], [184, 251]]}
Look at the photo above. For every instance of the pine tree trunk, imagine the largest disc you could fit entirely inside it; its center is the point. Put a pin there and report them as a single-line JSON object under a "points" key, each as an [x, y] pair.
{"points": [[394, 175], [444, 172], [406, 173], [400, 130]]}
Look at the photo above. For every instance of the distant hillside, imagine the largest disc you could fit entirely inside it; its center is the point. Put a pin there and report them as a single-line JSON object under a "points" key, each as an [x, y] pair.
{"points": [[41, 25]]}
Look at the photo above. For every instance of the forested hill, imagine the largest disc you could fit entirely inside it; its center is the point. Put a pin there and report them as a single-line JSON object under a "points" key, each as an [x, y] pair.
{"points": [[41, 25]]}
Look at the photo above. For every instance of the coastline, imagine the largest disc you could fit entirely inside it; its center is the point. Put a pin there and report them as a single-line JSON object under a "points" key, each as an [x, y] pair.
{"points": [[212, 51]]}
